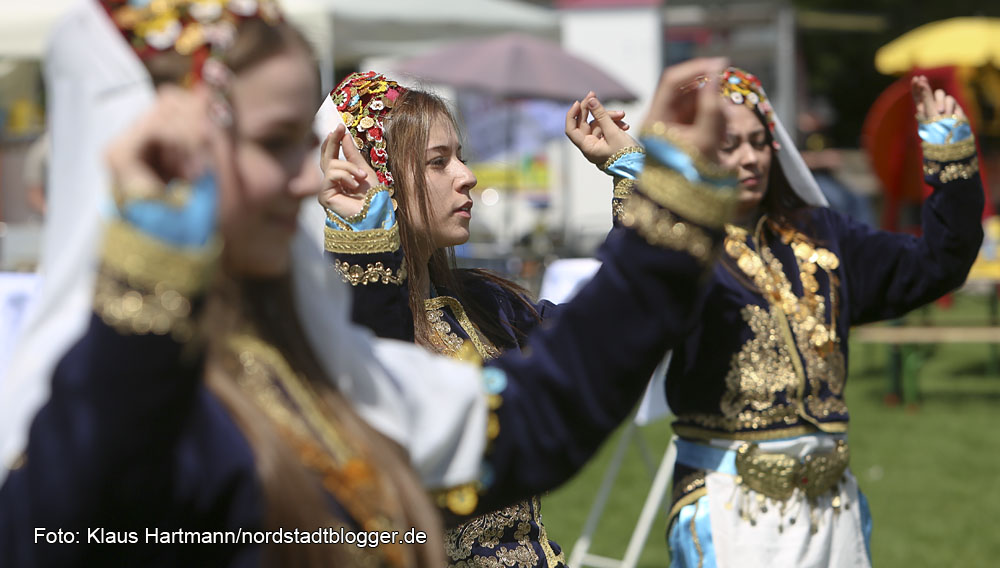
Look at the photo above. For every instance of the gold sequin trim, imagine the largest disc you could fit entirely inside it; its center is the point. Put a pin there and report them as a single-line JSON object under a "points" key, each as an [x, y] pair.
{"points": [[487, 531], [443, 339], [662, 229], [796, 330], [617, 208], [953, 171], [623, 187], [551, 557], [780, 476], [135, 312], [950, 152], [370, 274], [372, 241], [758, 373], [694, 536], [703, 204], [369, 195], [483, 346], [460, 500], [729, 432], [688, 484], [145, 286], [142, 262], [618, 155], [336, 220], [622, 190], [688, 499]]}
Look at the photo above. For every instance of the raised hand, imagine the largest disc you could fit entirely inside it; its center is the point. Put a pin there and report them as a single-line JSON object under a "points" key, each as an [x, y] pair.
{"points": [[169, 142], [933, 104], [345, 181], [163, 183], [600, 138], [687, 103]]}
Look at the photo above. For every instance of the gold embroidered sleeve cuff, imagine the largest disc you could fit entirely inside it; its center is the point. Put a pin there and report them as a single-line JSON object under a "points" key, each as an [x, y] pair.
{"points": [[662, 229], [145, 286], [956, 151], [944, 163], [360, 216], [703, 204], [372, 241], [619, 154], [663, 137], [944, 173]]}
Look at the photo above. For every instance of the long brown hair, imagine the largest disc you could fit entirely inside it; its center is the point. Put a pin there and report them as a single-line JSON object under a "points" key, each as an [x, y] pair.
{"points": [[407, 130], [293, 494]]}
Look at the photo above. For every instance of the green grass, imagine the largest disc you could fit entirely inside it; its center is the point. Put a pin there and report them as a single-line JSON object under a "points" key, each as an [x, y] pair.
{"points": [[931, 473]]}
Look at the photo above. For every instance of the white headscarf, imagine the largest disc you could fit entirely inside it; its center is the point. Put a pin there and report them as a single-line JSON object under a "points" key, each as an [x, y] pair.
{"points": [[794, 167], [436, 408]]}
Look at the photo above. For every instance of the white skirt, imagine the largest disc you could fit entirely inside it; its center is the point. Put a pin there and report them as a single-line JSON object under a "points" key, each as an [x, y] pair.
{"points": [[732, 526]]}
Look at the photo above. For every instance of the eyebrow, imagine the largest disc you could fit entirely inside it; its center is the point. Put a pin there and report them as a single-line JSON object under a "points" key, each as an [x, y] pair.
{"points": [[444, 148], [280, 126], [752, 133]]}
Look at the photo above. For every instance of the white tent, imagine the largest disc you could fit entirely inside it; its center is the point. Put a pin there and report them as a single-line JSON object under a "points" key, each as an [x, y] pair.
{"points": [[25, 25], [342, 31]]}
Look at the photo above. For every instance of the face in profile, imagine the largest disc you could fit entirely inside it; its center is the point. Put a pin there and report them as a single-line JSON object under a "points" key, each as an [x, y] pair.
{"points": [[273, 105], [448, 181], [747, 150]]}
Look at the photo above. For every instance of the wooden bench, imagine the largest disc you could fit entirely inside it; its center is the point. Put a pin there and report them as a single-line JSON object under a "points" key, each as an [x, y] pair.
{"points": [[906, 360]]}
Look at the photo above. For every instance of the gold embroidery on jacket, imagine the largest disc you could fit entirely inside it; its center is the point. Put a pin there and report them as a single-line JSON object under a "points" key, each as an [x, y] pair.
{"points": [[792, 342], [488, 531], [355, 275], [450, 343]]}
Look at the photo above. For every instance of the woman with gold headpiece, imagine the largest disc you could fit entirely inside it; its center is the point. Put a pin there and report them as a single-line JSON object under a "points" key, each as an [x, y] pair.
{"points": [[200, 404], [757, 386]]}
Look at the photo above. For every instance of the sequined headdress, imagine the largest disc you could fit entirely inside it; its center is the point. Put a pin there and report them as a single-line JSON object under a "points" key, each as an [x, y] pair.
{"points": [[744, 88], [199, 29], [364, 100]]}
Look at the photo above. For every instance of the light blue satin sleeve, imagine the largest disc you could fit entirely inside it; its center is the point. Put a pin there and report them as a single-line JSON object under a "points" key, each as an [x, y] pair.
{"points": [[190, 224], [628, 166], [379, 215], [945, 131], [690, 537], [676, 159]]}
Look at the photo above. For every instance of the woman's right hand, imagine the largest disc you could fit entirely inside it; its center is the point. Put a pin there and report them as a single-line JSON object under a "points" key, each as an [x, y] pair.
{"points": [[687, 103], [601, 137], [345, 181]]}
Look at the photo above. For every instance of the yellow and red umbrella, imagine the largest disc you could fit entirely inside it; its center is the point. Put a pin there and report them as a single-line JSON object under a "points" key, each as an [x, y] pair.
{"points": [[955, 54], [961, 42]]}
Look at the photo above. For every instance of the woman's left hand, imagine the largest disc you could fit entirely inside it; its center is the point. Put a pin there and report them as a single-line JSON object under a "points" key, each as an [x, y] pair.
{"points": [[601, 137]]}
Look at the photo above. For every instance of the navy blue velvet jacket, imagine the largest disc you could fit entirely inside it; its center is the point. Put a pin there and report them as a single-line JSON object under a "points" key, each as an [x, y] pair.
{"points": [[131, 440], [763, 364]]}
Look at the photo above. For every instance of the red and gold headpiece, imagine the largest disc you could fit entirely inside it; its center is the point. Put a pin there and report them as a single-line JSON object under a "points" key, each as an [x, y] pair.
{"points": [[195, 28], [364, 100], [743, 88]]}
